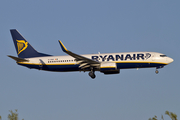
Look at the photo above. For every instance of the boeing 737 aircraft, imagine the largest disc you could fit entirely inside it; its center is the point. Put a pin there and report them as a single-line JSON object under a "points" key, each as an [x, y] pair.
{"points": [[107, 63]]}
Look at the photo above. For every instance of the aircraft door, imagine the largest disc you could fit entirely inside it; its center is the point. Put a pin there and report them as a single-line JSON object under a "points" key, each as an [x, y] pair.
{"points": [[153, 57], [40, 64]]}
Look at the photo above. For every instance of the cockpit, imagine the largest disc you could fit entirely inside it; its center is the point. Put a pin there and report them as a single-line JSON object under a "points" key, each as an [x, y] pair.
{"points": [[163, 55]]}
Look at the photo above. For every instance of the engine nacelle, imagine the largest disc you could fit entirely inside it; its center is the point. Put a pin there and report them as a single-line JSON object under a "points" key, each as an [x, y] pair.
{"points": [[109, 68]]}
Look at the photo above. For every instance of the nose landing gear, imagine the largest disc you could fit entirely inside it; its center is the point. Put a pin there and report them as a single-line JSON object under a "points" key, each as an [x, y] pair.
{"points": [[156, 71]]}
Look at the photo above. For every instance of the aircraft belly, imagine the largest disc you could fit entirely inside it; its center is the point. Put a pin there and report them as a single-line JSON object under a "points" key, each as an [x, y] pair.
{"points": [[137, 65], [30, 65], [52, 67], [63, 67]]}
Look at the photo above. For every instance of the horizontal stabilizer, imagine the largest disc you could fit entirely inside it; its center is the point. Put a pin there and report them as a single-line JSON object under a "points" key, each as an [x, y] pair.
{"points": [[18, 59]]}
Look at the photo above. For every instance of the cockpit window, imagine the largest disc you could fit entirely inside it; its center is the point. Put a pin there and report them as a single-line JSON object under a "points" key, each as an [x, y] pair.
{"points": [[163, 56]]}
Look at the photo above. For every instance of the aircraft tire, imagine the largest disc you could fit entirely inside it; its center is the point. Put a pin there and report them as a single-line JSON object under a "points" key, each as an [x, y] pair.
{"points": [[156, 71], [92, 75]]}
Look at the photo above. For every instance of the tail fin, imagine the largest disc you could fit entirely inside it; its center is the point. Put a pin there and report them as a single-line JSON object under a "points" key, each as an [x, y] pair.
{"points": [[23, 48]]}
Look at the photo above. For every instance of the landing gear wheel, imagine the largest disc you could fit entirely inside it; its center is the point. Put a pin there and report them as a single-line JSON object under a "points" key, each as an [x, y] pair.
{"points": [[156, 71], [92, 75]]}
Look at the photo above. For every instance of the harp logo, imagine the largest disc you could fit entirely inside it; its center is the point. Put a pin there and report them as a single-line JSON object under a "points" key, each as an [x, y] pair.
{"points": [[21, 45]]}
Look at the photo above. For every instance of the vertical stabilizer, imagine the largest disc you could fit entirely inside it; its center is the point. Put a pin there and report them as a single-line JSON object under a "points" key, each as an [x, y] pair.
{"points": [[23, 48]]}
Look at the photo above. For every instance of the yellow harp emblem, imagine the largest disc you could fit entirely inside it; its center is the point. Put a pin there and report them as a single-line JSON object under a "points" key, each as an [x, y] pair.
{"points": [[21, 45]]}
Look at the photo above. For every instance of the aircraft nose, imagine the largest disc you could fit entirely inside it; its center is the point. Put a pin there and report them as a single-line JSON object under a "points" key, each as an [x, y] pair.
{"points": [[170, 60]]}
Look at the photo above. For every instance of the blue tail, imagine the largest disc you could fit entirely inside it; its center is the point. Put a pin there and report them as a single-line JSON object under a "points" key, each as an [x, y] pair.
{"points": [[23, 48]]}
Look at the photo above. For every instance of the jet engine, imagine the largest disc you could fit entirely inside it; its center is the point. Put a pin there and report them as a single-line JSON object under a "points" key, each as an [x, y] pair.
{"points": [[109, 68]]}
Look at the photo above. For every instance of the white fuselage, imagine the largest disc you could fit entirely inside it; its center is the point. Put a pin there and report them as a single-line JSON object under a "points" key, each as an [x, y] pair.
{"points": [[122, 60]]}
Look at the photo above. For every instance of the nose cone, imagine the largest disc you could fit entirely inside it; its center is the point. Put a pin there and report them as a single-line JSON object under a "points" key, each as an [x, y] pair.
{"points": [[169, 60]]}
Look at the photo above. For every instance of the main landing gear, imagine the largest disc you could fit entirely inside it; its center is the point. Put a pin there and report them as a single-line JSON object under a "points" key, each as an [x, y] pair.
{"points": [[91, 74]]}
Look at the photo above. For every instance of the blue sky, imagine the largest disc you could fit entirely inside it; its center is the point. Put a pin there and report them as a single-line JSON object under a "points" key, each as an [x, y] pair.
{"points": [[87, 27]]}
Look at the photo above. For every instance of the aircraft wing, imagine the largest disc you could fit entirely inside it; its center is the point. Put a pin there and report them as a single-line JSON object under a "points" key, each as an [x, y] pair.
{"points": [[83, 61]]}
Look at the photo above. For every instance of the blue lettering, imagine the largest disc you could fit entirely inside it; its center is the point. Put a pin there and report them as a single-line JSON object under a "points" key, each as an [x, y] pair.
{"points": [[119, 57], [95, 58], [134, 57], [103, 58], [110, 57], [140, 56], [128, 56]]}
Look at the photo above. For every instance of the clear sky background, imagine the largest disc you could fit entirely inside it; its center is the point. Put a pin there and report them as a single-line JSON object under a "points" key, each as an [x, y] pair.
{"points": [[87, 27]]}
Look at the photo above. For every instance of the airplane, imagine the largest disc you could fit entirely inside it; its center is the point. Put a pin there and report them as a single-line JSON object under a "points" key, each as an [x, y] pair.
{"points": [[107, 63]]}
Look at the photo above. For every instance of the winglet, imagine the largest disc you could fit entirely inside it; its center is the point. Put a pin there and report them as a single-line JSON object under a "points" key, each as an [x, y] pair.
{"points": [[63, 47]]}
